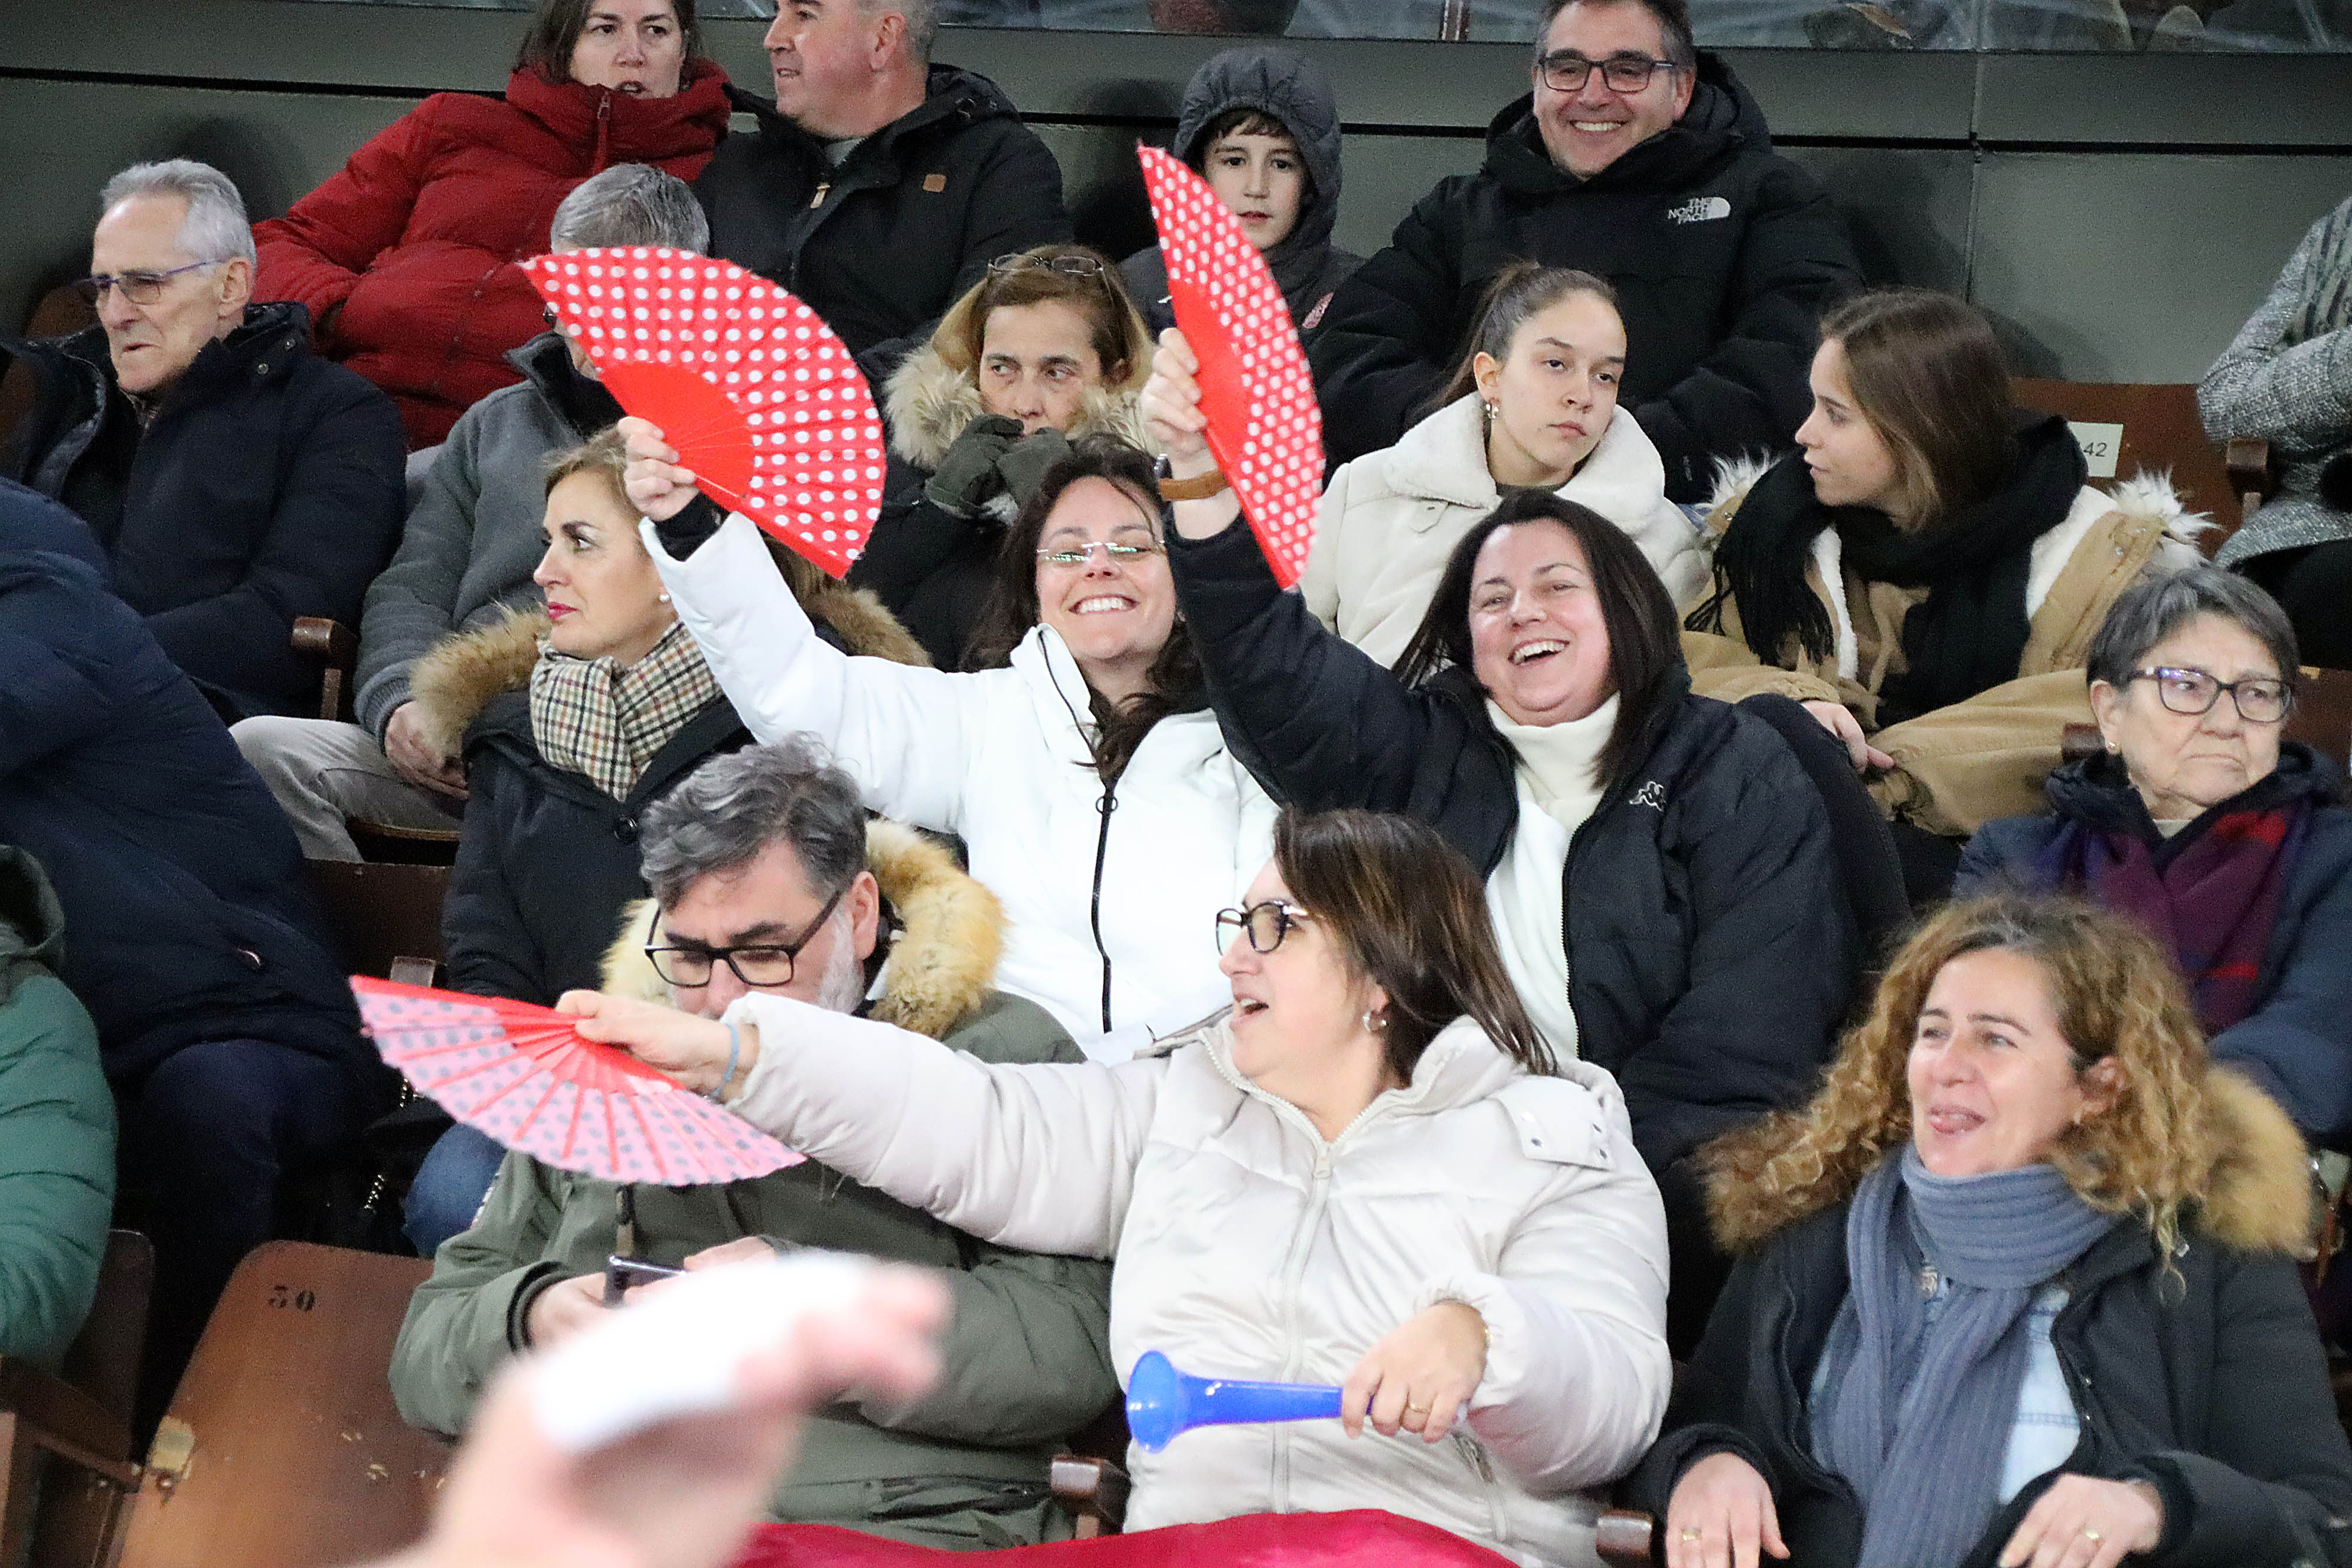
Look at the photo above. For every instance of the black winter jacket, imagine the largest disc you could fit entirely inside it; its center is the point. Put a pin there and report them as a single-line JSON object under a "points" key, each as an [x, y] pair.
{"points": [[268, 488], [2297, 1042], [181, 880], [1710, 954], [883, 245], [2205, 1378], [1722, 253]]}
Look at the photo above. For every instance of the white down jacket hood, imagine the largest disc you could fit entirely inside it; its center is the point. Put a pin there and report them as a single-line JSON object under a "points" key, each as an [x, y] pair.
{"points": [[1246, 1245], [1391, 518], [1110, 908]]}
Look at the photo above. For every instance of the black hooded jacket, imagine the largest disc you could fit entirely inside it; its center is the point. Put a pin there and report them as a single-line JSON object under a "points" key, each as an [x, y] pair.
{"points": [[267, 487], [1722, 253], [881, 246], [1292, 90]]}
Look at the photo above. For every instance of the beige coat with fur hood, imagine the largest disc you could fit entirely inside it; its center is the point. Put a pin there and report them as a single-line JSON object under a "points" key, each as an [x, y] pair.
{"points": [[1959, 767]]}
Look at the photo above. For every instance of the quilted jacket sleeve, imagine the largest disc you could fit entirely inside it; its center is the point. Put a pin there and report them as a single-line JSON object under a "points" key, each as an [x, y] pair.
{"points": [[316, 253]]}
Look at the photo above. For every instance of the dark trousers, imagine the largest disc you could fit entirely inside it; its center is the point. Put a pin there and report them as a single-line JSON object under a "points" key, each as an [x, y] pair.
{"points": [[2314, 587], [206, 1138]]}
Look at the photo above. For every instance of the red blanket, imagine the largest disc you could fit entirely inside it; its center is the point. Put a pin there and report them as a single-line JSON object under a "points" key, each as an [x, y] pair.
{"points": [[1366, 1536]]}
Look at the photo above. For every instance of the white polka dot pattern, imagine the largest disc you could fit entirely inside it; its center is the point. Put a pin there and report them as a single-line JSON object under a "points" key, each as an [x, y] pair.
{"points": [[1264, 425], [759, 397]]}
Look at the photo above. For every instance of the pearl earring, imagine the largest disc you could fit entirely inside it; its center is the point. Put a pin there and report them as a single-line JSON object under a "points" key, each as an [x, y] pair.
{"points": [[662, 597], [1493, 410], [1373, 1022]]}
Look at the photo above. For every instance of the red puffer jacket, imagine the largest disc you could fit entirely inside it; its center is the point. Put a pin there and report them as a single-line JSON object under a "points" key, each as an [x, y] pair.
{"points": [[406, 257]]}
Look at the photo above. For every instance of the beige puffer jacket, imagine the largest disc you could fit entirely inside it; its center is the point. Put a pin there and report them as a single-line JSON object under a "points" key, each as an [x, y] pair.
{"points": [[1391, 518], [1246, 1245]]}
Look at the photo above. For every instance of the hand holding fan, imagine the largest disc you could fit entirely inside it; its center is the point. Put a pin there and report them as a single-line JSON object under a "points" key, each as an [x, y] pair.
{"points": [[524, 1075], [1264, 425], [756, 393]]}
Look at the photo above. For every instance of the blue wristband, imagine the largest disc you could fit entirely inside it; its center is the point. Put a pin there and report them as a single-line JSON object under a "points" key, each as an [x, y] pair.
{"points": [[734, 1054]]}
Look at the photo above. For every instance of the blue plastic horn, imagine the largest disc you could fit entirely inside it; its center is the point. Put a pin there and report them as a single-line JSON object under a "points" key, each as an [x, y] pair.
{"points": [[1163, 1402]]}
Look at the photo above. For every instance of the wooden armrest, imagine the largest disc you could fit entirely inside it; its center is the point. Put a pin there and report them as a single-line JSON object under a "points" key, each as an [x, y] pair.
{"points": [[2079, 742], [1623, 1535], [2248, 459], [322, 639], [66, 1422], [1093, 1489]]}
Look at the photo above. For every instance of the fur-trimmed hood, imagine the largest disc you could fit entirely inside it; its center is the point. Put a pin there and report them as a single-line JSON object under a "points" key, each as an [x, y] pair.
{"points": [[928, 403], [459, 675], [2257, 1198], [940, 968]]}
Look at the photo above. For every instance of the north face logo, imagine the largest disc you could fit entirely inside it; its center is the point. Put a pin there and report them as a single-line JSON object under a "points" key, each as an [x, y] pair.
{"points": [[1699, 209]]}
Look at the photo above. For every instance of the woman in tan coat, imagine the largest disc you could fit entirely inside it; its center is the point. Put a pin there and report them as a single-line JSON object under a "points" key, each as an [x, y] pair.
{"points": [[1972, 565]]}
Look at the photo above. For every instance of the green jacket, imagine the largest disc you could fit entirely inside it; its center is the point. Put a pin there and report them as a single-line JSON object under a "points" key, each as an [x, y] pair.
{"points": [[56, 1129], [1026, 1355]]}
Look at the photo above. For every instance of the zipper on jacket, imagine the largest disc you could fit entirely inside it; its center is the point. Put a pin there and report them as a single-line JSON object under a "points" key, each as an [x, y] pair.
{"points": [[1475, 1452], [1294, 1273], [817, 200], [603, 129], [1103, 809]]}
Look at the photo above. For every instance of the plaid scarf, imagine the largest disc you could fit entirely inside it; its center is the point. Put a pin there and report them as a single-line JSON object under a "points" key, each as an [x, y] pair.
{"points": [[592, 717], [2209, 893]]}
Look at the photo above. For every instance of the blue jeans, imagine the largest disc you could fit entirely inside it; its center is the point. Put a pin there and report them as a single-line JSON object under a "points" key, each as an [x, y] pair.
{"points": [[449, 1188]]}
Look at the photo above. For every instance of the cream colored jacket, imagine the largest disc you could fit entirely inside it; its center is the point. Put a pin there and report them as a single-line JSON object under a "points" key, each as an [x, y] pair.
{"points": [[1247, 1246], [1391, 518]]}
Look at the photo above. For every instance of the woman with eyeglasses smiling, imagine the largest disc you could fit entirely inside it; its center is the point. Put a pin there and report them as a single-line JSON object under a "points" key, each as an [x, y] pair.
{"points": [[1045, 348], [2226, 841], [1369, 1171], [1079, 761]]}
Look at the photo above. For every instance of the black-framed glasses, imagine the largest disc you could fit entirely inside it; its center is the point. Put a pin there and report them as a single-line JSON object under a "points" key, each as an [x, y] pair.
{"points": [[1067, 266], [1265, 924], [2258, 699], [1080, 554], [763, 965], [1620, 73], [139, 287]]}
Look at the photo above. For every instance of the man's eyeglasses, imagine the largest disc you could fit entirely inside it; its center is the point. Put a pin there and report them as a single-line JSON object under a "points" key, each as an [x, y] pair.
{"points": [[757, 964], [139, 287], [1620, 73], [2260, 699], [1067, 266], [1080, 554], [1266, 924]]}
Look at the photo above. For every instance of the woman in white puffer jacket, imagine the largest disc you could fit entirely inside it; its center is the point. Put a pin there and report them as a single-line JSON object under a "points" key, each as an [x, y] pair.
{"points": [[1084, 773], [1370, 1174], [1533, 406]]}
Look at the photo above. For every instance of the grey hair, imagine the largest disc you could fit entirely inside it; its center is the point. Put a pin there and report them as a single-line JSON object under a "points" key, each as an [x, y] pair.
{"points": [[215, 229], [2148, 612], [630, 204], [922, 18], [731, 808]]}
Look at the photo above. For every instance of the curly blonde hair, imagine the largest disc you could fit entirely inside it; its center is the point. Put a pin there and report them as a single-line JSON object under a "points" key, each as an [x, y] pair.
{"points": [[2119, 998]]}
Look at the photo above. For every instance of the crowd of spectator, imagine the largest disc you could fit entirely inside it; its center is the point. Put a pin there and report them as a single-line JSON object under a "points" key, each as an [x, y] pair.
{"points": [[1613, 970]]}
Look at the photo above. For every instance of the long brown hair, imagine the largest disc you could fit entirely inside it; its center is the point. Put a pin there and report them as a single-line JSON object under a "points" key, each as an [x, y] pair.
{"points": [[1013, 609], [1409, 915], [556, 25], [1522, 289], [1644, 643], [1115, 329], [1928, 373], [2118, 994]]}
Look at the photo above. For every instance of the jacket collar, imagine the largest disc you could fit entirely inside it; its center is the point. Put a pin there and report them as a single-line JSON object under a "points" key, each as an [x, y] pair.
{"points": [[32, 920], [941, 966], [607, 127], [954, 96], [930, 402], [264, 347], [1443, 459], [1723, 120], [582, 401], [2099, 793]]}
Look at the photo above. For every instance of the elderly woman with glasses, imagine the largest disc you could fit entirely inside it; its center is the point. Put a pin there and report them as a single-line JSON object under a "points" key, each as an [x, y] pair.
{"points": [[1369, 1171], [1044, 349], [1080, 763], [2198, 820]]}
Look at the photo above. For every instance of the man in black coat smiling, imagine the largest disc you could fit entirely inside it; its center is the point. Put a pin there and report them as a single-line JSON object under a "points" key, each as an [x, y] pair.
{"points": [[1641, 160], [234, 481]]}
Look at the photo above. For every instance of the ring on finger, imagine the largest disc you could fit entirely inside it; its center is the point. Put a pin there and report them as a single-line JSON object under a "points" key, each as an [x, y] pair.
{"points": [[1416, 1410], [2092, 1536], [1693, 1532]]}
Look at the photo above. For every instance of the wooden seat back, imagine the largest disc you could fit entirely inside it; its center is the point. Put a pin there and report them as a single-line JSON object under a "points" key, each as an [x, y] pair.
{"points": [[2160, 432], [386, 918]]}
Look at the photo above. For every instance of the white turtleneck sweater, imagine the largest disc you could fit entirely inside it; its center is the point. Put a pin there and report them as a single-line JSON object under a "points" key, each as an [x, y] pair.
{"points": [[1558, 786]]}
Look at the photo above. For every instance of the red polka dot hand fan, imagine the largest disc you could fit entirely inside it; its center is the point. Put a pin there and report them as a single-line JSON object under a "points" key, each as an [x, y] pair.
{"points": [[1264, 425], [759, 397]]}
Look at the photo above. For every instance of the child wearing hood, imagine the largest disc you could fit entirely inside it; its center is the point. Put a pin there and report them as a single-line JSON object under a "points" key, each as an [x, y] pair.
{"points": [[1261, 126]]}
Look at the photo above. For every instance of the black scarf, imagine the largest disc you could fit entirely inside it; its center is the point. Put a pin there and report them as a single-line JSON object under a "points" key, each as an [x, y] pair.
{"points": [[1968, 634]]}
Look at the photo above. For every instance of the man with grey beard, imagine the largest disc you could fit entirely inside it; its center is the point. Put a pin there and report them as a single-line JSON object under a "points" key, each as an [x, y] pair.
{"points": [[766, 875]]}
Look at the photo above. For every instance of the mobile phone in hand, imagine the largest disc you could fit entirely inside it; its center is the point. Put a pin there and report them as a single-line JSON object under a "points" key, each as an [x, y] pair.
{"points": [[622, 1273]]}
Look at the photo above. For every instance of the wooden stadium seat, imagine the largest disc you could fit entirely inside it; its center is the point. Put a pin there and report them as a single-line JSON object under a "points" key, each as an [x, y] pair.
{"points": [[385, 919], [2161, 433], [283, 1446], [66, 1463]]}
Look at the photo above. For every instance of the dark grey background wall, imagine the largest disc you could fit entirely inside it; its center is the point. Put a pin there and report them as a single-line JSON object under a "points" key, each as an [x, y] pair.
{"points": [[2120, 215]]}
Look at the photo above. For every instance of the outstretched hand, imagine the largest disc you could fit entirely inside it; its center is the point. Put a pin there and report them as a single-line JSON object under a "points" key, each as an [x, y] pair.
{"points": [[658, 488], [692, 1049]]}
